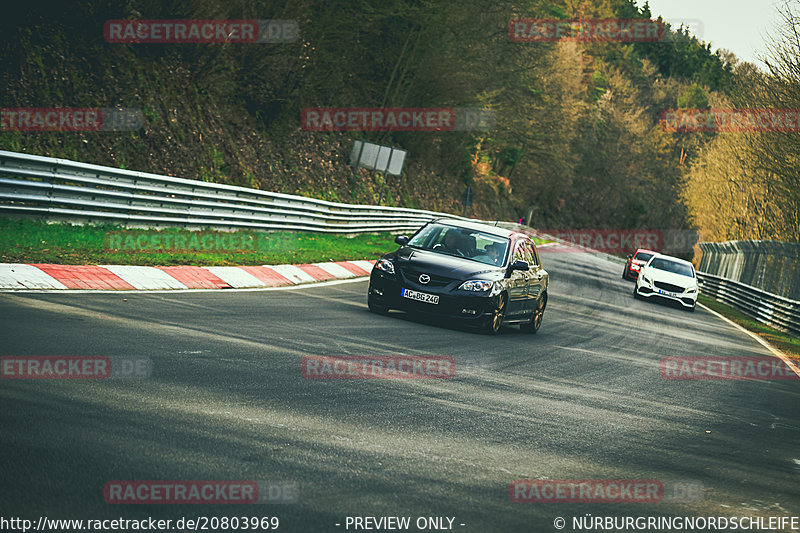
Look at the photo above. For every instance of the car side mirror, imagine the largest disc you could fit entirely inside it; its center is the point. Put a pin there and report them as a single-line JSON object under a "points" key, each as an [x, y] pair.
{"points": [[519, 264], [402, 240]]}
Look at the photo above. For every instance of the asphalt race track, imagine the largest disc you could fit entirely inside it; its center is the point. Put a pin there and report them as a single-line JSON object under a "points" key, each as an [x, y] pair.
{"points": [[583, 399]]}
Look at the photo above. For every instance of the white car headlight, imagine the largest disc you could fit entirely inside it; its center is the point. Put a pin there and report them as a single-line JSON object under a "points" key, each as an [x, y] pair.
{"points": [[690, 290], [385, 265], [477, 285]]}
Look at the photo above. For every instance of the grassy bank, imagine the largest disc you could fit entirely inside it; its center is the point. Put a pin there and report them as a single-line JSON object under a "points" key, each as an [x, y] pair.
{"points": [[30, 241], [782, 341]]}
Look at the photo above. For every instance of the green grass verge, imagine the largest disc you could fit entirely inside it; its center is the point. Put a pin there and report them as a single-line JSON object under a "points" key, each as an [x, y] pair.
{"points": [[783, 341], [31, 241]]}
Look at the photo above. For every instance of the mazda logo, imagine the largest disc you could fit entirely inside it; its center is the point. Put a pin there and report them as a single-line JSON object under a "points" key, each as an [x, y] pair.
{"points": [[424, 278]]}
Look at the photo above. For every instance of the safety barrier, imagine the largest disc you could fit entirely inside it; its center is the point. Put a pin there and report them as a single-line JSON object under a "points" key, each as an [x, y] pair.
{"points": [[760, 278], [69, 190]]}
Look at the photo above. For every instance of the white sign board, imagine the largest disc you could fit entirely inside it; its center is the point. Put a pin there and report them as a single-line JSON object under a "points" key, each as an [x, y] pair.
{"points": [[377, 157]]}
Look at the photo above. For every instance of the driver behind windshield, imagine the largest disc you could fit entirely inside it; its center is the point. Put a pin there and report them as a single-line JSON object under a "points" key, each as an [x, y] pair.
{"points": [[453, 243], [493, 251]]}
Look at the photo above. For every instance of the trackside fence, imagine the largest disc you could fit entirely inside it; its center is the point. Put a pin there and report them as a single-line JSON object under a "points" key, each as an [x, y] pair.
{"points": [[60, 189], [760, 278]]}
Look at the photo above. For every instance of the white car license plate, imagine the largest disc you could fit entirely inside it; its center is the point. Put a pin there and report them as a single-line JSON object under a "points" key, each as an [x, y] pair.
{"points": [[419, 296], [667, 293]]}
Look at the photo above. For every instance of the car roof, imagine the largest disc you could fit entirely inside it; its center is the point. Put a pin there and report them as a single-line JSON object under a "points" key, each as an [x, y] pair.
{"points": [[645, 250], [477, 226]]}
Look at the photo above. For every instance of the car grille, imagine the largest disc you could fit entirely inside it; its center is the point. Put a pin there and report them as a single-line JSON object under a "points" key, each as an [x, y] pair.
{"points": [[669, 287], [413, 277]]}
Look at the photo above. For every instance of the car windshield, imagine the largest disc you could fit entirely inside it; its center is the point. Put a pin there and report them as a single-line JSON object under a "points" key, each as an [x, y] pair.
{"points": [[672, 266], [462, 242], [643, 256]]}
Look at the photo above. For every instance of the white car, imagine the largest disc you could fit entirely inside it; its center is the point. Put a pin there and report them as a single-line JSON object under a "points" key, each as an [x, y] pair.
{"points": [[668, 277]]}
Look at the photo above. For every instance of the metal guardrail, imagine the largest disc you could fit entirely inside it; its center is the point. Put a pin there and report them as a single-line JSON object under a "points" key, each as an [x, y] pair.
{"points": [[64, 189], [770, 309], [759, 278]]}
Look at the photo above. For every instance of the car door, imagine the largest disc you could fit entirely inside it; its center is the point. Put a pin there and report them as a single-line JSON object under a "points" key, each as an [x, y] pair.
{"points": [[517, 282], [537, 279]]}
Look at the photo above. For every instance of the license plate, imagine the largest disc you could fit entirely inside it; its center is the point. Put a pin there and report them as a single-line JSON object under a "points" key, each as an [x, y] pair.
{"points": [[667, 293], [419, 296]]}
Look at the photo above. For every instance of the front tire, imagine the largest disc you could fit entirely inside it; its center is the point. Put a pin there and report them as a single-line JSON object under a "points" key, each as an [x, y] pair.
{"points": [[636, 292], [496, 320], [538, 315]]}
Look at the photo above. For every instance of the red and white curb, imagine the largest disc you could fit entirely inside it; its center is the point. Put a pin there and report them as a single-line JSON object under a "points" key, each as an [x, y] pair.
{"points": [[21, 276]]}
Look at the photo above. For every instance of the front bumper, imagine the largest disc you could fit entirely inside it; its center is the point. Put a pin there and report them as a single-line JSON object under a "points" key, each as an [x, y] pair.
{"points": [[685, 299], [384, 291]]}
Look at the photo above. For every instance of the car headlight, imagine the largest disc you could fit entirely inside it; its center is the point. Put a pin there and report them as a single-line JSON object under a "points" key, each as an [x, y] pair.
{"points": [[479, 285], [385, 265], [691, 290], [647, 280]]}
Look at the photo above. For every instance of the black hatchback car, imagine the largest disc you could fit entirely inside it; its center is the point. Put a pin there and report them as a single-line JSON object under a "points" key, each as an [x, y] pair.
{"points": [[483, 275]]}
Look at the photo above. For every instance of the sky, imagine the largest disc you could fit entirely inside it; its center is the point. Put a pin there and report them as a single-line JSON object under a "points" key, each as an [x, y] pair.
{"points": [[741, 26]]}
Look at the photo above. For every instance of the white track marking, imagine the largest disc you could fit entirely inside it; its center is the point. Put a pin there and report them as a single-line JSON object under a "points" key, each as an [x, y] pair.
{"points": [[293, 273], [337, 271], [22, 276], [366, 265], [236, 277], [145, 277], [774, 351]]}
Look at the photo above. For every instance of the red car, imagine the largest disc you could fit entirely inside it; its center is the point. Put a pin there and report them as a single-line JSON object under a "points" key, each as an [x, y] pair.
{"points": [[636, 262]]}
